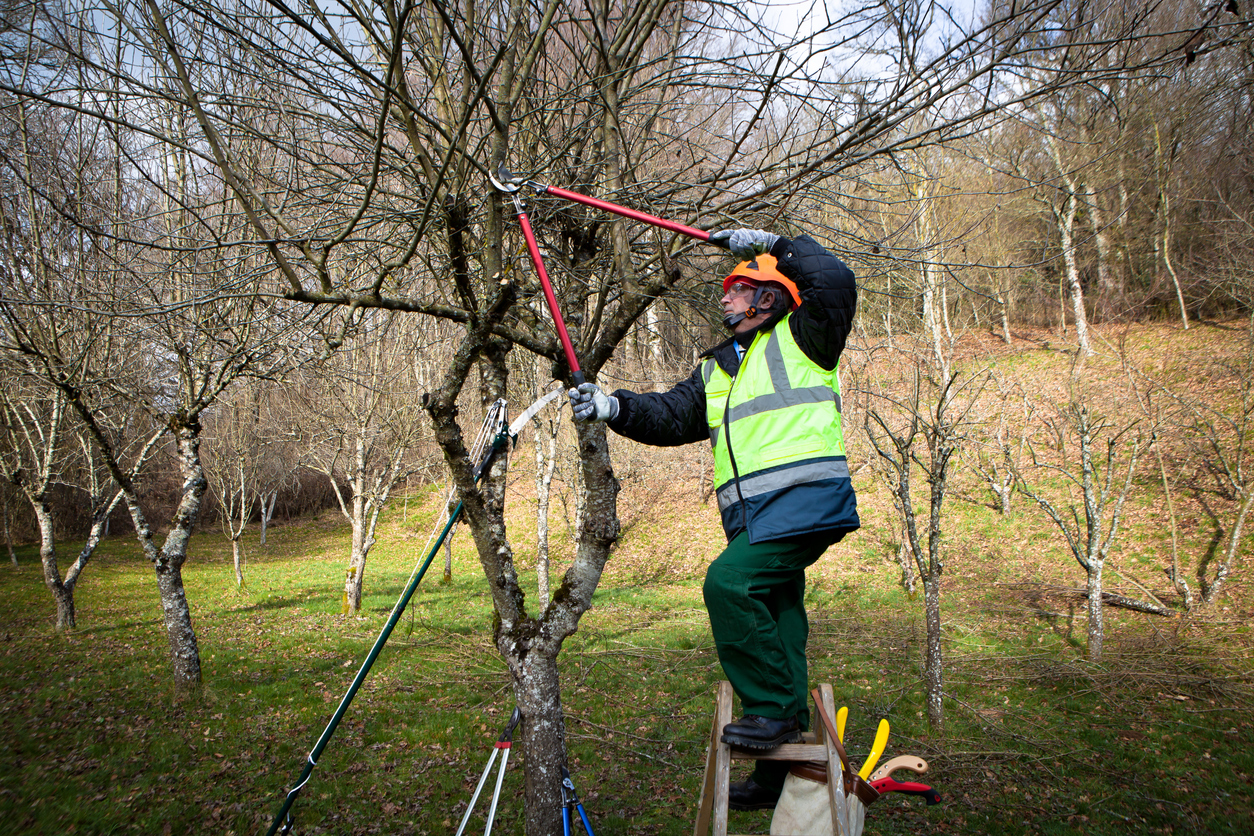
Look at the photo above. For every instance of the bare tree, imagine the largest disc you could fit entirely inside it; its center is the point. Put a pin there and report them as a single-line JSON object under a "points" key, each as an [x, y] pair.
{"points": [[38, 455], [127, 431], [277, 413], [1101, 496], [6, 500], [48, 268], [999, 458], [34, 440], [252, 454], [926, 416], [1225, 440], [363, 417], [1107, 157], [167, 325], [232, 466]]}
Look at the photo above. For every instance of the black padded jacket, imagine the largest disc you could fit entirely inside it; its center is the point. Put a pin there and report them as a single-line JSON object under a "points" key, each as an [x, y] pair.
{"points": [[820, 326]]}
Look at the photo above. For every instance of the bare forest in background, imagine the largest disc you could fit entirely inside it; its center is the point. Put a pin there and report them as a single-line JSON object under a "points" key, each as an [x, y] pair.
{"points": [[1152, 156], [251, 267]]}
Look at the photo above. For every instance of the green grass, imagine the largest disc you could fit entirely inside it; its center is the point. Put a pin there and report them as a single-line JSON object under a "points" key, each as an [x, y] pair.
{"points": [[1157, 739]]}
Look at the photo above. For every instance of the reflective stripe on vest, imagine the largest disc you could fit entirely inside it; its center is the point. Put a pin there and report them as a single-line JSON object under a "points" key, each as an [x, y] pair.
{"points": [[782, 394], [776, 480]]}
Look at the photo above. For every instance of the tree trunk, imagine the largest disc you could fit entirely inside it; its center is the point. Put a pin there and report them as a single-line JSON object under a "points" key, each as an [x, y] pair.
{"points": [[1066, 231], [546, 466], [933, 669], [906, 559], [267, 513], [356, 562], [235, 554], [1171, 269], [536, 688], [1163, 244], [935, 306], [542, 541], [168, 561], [184, 650], [1106, 289], [535, 658], [653, 335], [1097, 624], [1065, 220], [8, 530], [1004, 309], [62, 594], [901, 457]]}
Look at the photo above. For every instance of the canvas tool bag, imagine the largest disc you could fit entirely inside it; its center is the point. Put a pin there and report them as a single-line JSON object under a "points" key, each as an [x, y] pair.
{"points": [[805, 808]]}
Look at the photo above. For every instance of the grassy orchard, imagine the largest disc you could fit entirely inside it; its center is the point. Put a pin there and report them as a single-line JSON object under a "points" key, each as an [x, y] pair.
{"points": [[1158, 738]]}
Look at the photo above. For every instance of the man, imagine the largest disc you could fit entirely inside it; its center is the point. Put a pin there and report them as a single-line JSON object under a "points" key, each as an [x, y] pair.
{"points": [[768, 400]]}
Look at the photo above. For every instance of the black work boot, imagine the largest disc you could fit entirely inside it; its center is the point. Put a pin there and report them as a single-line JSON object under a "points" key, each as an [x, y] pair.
{"points": [[749, 795], [761, 733]]}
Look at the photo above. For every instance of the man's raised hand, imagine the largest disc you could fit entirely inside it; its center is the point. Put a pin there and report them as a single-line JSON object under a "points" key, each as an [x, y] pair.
{"points": [[744, 243]]}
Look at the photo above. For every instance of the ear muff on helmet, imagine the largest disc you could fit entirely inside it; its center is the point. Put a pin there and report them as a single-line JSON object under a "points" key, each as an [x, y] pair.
{"points": [[763, 269]]}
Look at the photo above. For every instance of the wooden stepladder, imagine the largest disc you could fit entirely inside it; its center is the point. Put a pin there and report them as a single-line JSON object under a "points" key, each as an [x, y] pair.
{"points": [[712, 809]]}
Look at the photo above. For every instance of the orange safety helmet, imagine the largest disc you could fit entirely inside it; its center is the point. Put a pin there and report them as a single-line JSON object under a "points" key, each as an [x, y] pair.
{"points": [[762, 269]]}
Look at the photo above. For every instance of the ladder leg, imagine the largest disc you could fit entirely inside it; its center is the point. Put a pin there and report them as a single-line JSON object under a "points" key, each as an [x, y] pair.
{"points": [[722, 761], [706, 805], [835, 786], [712, 808]]}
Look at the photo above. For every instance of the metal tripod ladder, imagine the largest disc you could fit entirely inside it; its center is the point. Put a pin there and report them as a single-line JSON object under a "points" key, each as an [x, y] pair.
{"points": [[712, 808]]}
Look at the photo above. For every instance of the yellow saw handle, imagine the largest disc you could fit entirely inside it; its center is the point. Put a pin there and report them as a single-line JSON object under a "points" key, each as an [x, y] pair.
{"points": [[877, 749]]}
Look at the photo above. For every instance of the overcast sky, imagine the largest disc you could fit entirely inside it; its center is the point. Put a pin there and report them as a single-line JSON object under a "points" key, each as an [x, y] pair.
{"points": [[800, 18]]}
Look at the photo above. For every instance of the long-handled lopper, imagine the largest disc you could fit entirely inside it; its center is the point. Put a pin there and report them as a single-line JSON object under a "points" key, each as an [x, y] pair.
{"points": [[509, 183], [284, 817], [571, 799], [502, 744]]}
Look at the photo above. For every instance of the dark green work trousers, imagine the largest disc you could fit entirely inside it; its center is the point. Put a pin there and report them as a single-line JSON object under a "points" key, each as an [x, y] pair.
{"points": [[755, 595]]}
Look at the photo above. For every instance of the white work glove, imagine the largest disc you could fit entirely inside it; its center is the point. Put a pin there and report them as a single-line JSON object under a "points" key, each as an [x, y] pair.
{"points": [[589, 403], [744, 243]]}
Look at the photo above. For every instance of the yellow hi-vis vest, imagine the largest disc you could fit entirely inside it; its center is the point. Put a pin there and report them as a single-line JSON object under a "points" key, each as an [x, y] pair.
{"points": [[779, 451]]}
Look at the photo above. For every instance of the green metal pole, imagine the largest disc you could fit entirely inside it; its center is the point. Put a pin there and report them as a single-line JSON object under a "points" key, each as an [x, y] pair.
{"points": [[402, 602]]}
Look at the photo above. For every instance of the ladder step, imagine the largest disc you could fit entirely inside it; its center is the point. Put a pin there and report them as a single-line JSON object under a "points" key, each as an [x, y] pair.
{"points": [[787, 752]]}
